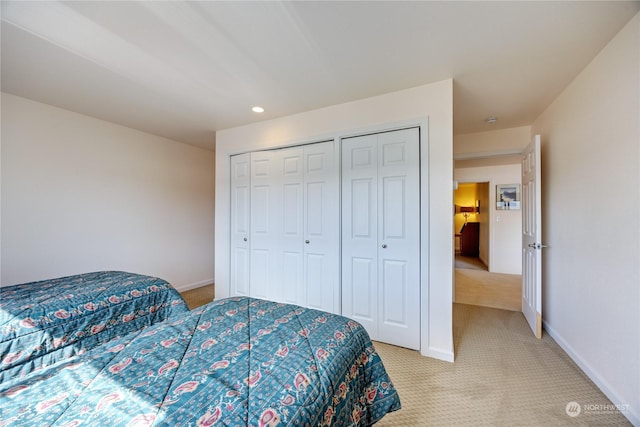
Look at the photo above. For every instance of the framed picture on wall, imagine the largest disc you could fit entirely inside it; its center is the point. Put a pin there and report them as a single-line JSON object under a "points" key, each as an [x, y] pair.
{"points": [[508, 196]]}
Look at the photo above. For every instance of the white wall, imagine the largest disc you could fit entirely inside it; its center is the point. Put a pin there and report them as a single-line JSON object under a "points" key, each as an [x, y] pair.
{"points": [[81, 194], [505, 230], [491, 143], [432, 101], [591, 219]]}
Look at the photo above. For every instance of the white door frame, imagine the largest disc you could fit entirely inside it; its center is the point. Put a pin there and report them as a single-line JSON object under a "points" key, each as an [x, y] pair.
{"points": [[537, 314]]}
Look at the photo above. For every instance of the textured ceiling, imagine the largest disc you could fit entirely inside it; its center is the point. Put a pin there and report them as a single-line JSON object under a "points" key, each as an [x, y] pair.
{"points": [[186, 69]]}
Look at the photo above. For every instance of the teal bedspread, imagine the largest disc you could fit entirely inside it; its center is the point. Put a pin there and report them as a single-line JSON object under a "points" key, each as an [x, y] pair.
{"points": [[44, 322], [233, 362]]}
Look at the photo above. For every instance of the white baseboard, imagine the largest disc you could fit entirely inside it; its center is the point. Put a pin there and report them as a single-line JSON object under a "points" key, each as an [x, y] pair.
{"points": [[447, 356], [630, 413], [188, 287]]}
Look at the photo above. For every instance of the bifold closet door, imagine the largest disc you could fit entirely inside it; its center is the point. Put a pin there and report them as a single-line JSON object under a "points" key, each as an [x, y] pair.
{"points": [[289, 249], [321, 227], [266, 225], [290, 246], [309, 242], [381, 235], [240, 217], [258, 193]]}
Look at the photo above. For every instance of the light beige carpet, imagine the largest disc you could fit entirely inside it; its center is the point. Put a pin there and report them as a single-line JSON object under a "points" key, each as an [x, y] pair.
{"points": [[199, 296], [495, 290], [502, 376], [470, 263]]}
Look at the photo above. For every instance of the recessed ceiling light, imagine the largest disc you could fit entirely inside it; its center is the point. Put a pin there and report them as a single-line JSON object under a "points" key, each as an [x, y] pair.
{"points": [[257, 109], [491, 119]]}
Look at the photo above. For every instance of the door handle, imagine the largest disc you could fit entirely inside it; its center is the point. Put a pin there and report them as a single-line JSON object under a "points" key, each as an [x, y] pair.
{"points": [[537, 245], [384, 246], [245, 239], [306, 241]]}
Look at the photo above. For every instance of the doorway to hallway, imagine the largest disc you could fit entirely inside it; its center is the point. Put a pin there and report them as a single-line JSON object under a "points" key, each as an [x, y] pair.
{"points": [[474, 283]]}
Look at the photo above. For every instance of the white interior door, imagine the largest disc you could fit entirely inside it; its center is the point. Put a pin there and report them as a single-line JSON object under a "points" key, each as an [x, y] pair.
{"points": [[380, 235], [531, 237], [240, 215]]}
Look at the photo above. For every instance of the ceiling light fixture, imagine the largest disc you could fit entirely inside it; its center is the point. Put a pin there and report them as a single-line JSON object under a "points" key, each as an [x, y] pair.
{"points": [[257, 109], [491, 119]]}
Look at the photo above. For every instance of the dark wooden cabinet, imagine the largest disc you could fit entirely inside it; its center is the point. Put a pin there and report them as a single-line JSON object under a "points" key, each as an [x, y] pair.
{"points": [[470, 239]]}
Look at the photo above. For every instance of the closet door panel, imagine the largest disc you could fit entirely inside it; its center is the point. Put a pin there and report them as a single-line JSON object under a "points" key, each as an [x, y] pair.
{"points": [[292, 277], [363, 211], [316, 281], [266, 225], [291, 216], [292, 211], [360, 231], [260, 273], [394, 296], [262, 221], [362, 293], [321, 227], [240, 216], [318, 287], [394, 205], [316, 210], [381, 235], [288, 210], [399, 238]]}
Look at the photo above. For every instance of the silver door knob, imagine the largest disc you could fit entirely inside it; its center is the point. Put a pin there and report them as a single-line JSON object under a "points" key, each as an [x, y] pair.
{"points": [[306, 241], [384, 246], [245, 239]]}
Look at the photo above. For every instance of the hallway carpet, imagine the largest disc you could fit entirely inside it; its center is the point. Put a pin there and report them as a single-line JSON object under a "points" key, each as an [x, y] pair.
{"points": [[477, 287], [470, 263]]}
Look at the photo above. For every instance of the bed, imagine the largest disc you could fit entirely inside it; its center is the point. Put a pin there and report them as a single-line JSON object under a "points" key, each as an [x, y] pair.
{"points": [[233, 362], [44, 322]]}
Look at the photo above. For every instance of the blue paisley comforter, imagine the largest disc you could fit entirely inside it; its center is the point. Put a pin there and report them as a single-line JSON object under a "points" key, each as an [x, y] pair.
{"points": [[233, 362], [42, 323]]}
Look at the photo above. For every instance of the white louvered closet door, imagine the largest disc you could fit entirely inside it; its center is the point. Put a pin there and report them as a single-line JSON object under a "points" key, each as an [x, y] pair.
{"points": [[381, 235]]}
